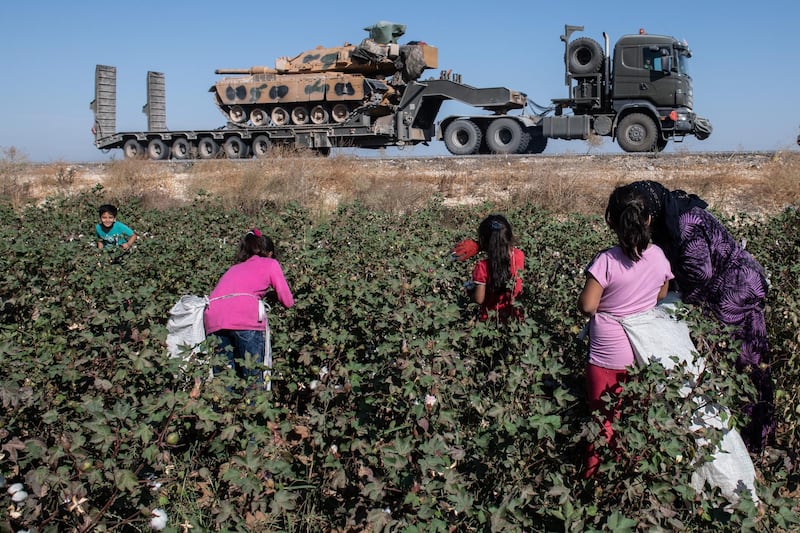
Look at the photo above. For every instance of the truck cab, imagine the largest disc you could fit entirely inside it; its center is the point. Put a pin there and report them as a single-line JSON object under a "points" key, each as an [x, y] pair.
{"points": [[641, 95]]}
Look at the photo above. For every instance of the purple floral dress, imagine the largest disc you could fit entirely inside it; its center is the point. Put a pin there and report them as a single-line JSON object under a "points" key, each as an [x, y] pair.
{"points": [[711, 269]]}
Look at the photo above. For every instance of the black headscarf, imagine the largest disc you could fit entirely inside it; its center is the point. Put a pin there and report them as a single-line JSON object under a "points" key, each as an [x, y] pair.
{"points": [[665, 208]]}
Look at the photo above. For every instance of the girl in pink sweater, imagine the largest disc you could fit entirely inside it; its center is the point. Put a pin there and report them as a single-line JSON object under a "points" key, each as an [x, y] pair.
{"points": [[235, 315]]}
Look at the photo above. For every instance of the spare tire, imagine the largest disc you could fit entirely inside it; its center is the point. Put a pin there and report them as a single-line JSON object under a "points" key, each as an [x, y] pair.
{"points": [[702, 128], [584, 56]]}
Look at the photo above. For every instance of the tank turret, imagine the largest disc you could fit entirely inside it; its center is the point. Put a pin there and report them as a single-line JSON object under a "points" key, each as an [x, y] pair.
{"points": [[326, 84]]}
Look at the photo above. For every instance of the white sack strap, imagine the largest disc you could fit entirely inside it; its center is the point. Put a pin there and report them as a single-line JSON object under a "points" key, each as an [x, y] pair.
{"points": [[263, 307]]}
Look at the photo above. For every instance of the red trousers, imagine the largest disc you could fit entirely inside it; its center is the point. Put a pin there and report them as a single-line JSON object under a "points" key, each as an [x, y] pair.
{"points": [[600, 380]]}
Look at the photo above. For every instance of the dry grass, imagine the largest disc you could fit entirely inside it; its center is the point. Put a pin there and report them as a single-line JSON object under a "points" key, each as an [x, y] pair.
{"points": [[733, 183]]}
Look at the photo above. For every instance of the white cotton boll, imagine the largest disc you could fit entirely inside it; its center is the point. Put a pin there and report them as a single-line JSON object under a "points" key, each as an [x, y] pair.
{"points": [[19, 496], [16, 487], [159, 520]]}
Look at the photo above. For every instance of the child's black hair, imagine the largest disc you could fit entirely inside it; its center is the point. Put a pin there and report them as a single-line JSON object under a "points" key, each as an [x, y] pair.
{"points": [[496, 238], [253, 243], [628, 216], [107, 208]]}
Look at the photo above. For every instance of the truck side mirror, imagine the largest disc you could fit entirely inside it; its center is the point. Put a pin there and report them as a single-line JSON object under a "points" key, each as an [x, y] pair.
{"points": [[666, 64]]}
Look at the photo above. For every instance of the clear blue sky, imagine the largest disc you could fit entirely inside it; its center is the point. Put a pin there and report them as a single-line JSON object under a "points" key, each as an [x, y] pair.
{"points": [[745, 69]]}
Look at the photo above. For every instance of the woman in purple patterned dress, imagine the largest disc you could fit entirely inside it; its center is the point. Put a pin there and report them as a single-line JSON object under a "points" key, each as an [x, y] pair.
{"points": [[712, 270]]}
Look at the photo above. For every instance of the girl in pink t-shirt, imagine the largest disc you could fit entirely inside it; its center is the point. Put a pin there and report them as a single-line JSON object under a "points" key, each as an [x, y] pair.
{"points": [[234, 314], [620, 281]]}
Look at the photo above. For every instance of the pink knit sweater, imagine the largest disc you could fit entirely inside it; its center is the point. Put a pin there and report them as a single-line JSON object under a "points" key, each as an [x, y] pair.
{"points": [[252, 277]]}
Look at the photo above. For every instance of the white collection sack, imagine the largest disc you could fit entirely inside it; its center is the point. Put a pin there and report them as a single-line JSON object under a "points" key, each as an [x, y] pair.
{"points": [[185, 327], [656, 336]]}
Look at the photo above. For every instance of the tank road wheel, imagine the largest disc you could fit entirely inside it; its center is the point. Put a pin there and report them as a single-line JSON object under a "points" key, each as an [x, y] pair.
{"points": [[207, 148], [637, 133], [300, 115], [261, 146], [506, 136], [339, 113], [319, 115], [181, 149], [133, 149], [279, 116], [462, 137], [235, 148], [237, 114], [259, 117], [585, 56], [156, 149]]}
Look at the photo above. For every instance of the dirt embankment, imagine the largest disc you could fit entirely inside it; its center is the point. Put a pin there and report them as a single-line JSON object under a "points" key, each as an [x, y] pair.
{"points": [[756, 183]]}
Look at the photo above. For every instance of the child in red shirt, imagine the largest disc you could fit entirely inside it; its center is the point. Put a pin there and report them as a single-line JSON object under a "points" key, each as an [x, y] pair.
{"points": [[496, 280]]}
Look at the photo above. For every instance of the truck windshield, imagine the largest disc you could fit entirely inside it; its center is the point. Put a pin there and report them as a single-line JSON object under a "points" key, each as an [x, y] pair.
{"points": [[682, 63]]}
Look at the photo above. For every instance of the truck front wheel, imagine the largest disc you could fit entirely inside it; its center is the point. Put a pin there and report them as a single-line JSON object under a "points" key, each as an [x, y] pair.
{"points": [[637, 132], [462, 137]]}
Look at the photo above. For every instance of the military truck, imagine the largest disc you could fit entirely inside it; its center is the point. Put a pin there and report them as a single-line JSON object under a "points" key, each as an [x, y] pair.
{"points": [[372, 96], [365, 96], [642, 95]]}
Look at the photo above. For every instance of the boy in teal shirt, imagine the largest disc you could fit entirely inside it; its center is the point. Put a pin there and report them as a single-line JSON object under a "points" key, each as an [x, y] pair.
{"points": [[110, 232]]}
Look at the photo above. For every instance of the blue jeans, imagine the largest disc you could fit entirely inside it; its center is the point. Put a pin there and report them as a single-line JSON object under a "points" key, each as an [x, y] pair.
{"points": [[242, 342]]}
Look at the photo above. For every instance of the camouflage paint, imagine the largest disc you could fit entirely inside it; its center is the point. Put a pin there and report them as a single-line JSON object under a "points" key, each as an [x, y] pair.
{"points": [[277, 92], [318, 86], [344, 89]]}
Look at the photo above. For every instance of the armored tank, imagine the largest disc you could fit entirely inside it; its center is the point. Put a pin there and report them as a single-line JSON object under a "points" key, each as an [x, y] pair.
{"points": [[326, 84]]}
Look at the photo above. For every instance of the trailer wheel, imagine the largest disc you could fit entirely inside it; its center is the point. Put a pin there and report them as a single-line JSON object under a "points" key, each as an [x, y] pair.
{"points": [[181, 149], [637, 133], [585, 56], [157, 150], [133, 149], [235, 148], [538, 142], [261, 146], [207, 148], [462, 137], [506, 136]]}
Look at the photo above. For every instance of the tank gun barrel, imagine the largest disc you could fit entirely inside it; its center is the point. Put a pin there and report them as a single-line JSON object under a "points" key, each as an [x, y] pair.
{"points": [[246, 71]]}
